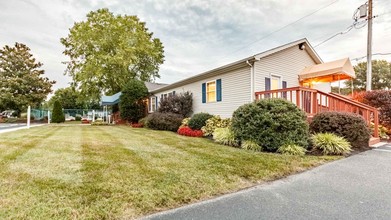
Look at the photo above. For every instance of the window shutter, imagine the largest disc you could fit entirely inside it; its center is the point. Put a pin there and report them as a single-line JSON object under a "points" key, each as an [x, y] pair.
{"points": [[284, 86], [267, 86], [203, 92], [218, 90]]}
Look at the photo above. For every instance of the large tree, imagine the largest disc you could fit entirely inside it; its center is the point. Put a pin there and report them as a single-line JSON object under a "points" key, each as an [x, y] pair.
{"points": [[381, 75], [21, 79], [106, 51], [71, 98]]}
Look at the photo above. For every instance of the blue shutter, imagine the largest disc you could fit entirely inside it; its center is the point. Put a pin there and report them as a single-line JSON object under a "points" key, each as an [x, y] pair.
{"points": [[218, 90], [156, 104], [284, 86], [203, 92], [267, 86]]}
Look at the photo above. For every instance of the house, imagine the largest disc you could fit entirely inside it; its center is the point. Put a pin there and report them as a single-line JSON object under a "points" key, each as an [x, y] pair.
{"points": [[222, 90]]}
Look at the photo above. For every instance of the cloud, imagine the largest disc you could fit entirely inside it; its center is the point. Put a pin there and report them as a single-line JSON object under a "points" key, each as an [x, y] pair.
{"points": [[197, 35]]}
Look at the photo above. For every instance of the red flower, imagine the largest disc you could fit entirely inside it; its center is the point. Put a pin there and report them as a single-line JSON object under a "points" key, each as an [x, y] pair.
{"points": [[137, 125], [186, 131]]}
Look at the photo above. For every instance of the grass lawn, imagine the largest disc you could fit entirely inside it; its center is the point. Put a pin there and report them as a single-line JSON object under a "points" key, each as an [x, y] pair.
{"points": [[77, 172]]}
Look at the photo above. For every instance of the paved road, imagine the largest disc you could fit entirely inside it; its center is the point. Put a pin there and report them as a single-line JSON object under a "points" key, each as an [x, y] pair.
{"points": [[5, 126], [358, 187]]}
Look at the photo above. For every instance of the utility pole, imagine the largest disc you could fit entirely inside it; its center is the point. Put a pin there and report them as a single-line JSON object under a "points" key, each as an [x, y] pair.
{"points": [[369, 47]]}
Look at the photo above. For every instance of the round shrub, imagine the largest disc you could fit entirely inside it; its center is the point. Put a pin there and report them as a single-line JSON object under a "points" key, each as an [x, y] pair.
{"points": [[199, 120], [225, 136], [271, 123], [292, 149], [330, 144], [215, 122], [348, 125], [164, 121]]}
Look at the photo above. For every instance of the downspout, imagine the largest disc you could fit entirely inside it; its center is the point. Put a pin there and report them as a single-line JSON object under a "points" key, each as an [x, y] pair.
{"points": [[252, 93]]}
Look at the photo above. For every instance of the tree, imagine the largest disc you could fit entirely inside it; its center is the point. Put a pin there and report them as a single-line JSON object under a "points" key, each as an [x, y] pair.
{"points": [[70, 98], [132, 101], [381, 75], [106, 51], [58, 115], [21, 81]]}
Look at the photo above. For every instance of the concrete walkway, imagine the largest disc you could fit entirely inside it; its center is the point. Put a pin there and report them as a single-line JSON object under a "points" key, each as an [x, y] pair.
{"points": [[358, 187], [5, 127]]}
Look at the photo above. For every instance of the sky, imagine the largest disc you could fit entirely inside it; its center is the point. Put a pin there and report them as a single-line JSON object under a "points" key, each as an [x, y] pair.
{"points": [[200, 35]]}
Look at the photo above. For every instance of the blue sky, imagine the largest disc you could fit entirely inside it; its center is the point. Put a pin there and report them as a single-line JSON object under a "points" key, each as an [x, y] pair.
{"points": [[198, 35]]}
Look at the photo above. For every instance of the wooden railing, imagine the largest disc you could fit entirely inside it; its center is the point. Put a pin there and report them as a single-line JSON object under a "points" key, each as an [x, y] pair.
{"points": [[313, 101]]}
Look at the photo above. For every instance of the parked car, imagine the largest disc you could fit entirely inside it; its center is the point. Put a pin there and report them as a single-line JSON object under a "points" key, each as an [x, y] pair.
{"points": [[8, 114]]}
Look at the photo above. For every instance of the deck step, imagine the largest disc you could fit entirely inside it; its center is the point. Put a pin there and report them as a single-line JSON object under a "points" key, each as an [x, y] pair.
{"points": [[373, 141]]}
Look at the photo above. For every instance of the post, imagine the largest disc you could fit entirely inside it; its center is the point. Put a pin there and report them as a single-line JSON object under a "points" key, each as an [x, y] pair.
{"points": [[93, 115], [376, 123], [48, 117], [369, 48], [28, 116]]}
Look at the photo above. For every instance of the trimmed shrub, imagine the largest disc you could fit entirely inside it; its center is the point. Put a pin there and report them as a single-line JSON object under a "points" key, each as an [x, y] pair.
{"points": [[77, 118], [380, 99], [199, 120], [186, 131], [225, 136], [164, 121], [215, 122], [251, 145], [58, 115], [348, 125], [179, 104], [330, 144], [271, 123], [292, 149], [132, 105]]}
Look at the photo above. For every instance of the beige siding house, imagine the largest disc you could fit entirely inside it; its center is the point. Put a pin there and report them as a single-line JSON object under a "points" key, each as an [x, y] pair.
{"points": [[222, 90]]}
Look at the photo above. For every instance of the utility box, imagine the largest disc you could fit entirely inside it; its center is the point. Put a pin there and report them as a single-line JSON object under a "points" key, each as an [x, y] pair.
{"points": [[363, 10]]}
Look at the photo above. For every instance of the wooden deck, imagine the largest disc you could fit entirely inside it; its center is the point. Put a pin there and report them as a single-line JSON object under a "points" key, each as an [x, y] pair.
{"points": [[313, 101]]}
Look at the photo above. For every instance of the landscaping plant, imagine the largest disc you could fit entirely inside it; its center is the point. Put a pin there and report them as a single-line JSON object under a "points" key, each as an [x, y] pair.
{"points": [[199, 120], [292, 149], [215, 122], [164, 121], [178, 104], [348, 125], [57, 115], [186, 131], [132, 105], [271, 123], [251, 145], [330, 144], [225, 136]]}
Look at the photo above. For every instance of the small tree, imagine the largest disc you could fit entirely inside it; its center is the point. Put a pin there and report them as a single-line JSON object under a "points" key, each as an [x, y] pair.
{"points": [[58, 115], [179, 104], [132, 105]]}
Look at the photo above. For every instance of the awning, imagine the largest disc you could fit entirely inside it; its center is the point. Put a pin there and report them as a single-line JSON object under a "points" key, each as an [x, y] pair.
{"points": [[110, 100], [328, 72]]}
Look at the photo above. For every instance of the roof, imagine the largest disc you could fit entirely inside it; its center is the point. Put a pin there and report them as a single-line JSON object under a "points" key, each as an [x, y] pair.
{"points": [[242, 63], [114, 99], [328, 72]]}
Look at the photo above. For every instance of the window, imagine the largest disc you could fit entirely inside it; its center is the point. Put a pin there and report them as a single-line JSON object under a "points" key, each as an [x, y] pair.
{"points": [[211, 91], [152, 106], [275, 82]]}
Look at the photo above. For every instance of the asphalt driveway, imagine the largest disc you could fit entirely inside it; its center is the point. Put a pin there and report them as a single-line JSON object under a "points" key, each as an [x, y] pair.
{"points": [[358, 187]]}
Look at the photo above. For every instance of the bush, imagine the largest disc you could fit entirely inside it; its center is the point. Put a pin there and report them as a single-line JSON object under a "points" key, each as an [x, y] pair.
{"points": [[348, 125], [132, 105], [251, 145], [380, 99], [271, 123], [186, 131], [164, 121], [199, 120], [225, 136], [143, 121], [178, 104], [292, 149], [58, 115], [213, 123], [185, 122], [330, 144], [77, 118]]}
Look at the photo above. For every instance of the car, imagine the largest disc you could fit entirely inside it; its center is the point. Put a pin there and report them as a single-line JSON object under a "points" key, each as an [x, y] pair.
{"points": [[8, 114]]}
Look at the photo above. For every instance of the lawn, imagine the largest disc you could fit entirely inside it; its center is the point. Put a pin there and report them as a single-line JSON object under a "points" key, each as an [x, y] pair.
{"points": [[95, 172]]}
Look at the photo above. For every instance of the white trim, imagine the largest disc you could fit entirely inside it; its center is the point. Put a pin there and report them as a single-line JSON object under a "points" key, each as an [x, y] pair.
{"points": [[150, 110]]}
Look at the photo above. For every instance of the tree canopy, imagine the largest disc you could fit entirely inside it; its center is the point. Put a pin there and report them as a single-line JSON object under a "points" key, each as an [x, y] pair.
{"points": [[21, 79], [132, 105], [108, 50], [381, 75], [70, 98]]}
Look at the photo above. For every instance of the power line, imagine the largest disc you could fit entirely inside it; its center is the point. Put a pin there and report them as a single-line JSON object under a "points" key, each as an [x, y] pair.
{"points": [[340, 33], [374, 54], [275, 31]]}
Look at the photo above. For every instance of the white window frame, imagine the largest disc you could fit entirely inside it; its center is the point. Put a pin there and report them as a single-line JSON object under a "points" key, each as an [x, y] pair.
{"points": [[206, 91], [152, 101]]}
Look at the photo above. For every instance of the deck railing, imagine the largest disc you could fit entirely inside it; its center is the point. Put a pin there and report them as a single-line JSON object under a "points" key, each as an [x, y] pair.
{"points": [[313, 101]]}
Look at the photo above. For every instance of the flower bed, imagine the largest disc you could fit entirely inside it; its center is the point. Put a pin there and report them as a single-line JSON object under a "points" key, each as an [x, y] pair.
{"points": [[186, 131], [137, 125]]}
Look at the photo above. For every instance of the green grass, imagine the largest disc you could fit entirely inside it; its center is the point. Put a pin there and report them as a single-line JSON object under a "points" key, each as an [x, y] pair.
{"points": [[96, 172]]}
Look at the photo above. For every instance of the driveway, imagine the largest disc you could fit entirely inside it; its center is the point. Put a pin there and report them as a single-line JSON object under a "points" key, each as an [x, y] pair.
{"points": [[358, 187]]}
